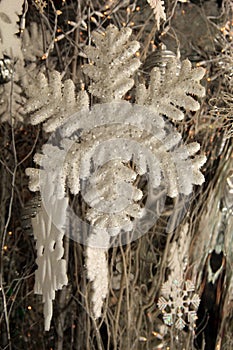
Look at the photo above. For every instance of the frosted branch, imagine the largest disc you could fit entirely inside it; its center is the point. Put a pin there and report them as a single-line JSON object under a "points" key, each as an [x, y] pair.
{"points": [[158, 9]]}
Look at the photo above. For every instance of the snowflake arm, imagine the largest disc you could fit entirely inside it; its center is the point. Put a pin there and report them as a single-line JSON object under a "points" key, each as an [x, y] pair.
{"points": [[34, 42], [111, 63], [168, 95], [53, 102], [11, 106]]}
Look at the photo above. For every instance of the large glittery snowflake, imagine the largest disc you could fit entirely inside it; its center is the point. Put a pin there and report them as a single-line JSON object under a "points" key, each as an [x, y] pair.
{"points": [[179, 303]]}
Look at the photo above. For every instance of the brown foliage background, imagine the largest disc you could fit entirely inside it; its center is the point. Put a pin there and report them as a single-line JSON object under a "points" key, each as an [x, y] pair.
{"points": [[131, 319]]}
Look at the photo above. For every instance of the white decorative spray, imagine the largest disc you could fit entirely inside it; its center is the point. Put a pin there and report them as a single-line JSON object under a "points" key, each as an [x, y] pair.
{"points": [[99, 153]]}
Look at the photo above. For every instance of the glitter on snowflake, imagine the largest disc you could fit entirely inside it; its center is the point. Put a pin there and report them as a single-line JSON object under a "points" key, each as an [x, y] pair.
{"points": [[179, 303]]}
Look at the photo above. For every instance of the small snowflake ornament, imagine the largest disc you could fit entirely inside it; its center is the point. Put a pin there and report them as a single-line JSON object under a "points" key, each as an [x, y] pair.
{"points": [[179, 303]]}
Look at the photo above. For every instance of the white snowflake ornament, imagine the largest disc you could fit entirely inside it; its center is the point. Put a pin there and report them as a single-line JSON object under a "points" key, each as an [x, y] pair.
{"points": [[179, 303]]}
